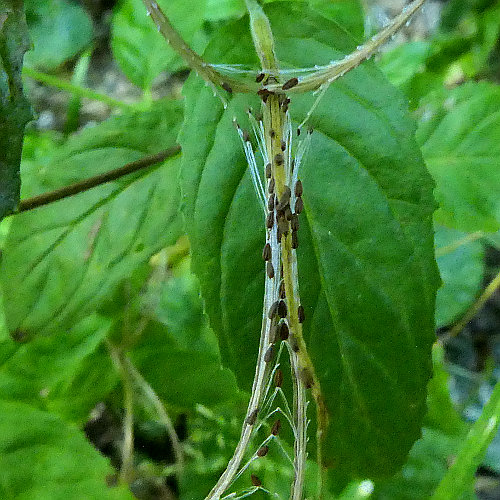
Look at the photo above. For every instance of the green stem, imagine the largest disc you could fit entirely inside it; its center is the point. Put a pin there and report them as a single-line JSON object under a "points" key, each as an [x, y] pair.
{"points": [[59, 83]]}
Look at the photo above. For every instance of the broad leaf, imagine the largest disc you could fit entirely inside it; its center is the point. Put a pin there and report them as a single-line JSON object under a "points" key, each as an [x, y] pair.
{"points": [[15, 111], [60, 261], [44, 458], [459, 132], [460, 258], [367, 273]]}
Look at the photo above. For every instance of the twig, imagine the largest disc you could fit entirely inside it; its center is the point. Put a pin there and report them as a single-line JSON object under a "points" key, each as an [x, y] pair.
{"points": [[92, 182]]}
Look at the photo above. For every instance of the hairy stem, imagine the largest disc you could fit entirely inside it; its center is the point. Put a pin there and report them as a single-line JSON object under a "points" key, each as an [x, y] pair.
{"points": [[92, 182]]}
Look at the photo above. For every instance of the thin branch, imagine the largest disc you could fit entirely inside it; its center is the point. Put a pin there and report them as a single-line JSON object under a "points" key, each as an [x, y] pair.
{"points": [[92, 182], [56, 82]]}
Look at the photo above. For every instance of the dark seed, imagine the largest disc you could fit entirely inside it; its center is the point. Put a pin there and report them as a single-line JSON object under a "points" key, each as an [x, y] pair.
{"points": [[285, 198], [268, 357], [270, 270], [294, 343], [284, 331], [272, 133], [266, 252], [252, 417], [255, 480], [288, 213], [270, 220], [282, 309], [298, 131], [294, 222], [282, 228], [272, 185], [268, 170], [295, 240], [279, 159], [275, 430], [290, 83], [299, 205], [301, 314], [270, 201], [307, 378], [262, 451], [283, 145], [282, 290], [226, 87], [246, 136], [298, 188], [278, 378], [272, 310], [260, 77]]}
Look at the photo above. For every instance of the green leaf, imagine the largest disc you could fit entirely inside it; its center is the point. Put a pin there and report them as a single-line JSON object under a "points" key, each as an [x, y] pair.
{"points": [[15, 110], [60, 29], [222, 9], [44, 458], [60, 261], [140, 50], [460, 258], [459, 131], [367, 273], [468, 459]]}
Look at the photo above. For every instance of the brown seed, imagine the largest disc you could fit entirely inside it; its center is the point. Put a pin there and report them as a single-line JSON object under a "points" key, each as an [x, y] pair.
{"points": [[252, 417], [264, 94], [288, 213], [272, 310], [270, 270], [285, 198], [268, 357], [282, 309], [290, 83], [307, 378], [295, 240], [301, 314], [273, 333], [294, 222], [272, 185], [275, 430], [278, 378], [283, 145], [299, 205], [282, 228], [270, 202], [260, 77], [266, 252], [227, 87], [279, 159], [298, 188], [270, 220], [255, 480], [268, 170], [284, 331], [294, 343], [246, 136], [262, 451], [282, 291]]}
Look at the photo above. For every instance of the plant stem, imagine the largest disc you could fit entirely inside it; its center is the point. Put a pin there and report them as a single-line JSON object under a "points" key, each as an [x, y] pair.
{"points": [[456, 244], [59, 83], [92, 182]]}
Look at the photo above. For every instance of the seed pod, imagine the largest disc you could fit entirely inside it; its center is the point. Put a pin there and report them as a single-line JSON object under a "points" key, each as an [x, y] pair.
{"points": [[262, 451], [290, 83], [294, 343], [273, 333], [285, 198], [260, 77], [307, 378], [272, 184], [270, 201], [268, 171], [282, 291], [279, 159], [270, 220], [250, 420], [282, 309], [298, 188], [270, 270], [275, 430], [288, 213], [268, 357], [255, 480], [272, 310], [227, 87], [294, 222], [283, 145], [295, 240], [266, 252], [282, 228], [299, 205], [278, 378], [301, 314], [284, 331]]}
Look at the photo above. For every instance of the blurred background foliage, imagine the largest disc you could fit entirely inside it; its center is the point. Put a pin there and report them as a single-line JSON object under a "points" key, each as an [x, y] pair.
{"points": [[100, 79]]}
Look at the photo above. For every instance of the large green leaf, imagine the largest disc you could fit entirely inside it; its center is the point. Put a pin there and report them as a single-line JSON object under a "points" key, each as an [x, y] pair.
{"points": [[14, 108], [44, 458], [459, 131], [367, 273], [62, 260]]}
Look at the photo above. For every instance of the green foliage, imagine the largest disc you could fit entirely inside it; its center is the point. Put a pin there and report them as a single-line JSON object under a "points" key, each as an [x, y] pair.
{"points": [[15, 111]]}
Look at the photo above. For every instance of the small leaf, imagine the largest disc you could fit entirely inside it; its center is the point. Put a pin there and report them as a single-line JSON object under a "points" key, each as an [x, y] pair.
{"points": [[60, 261], [15, 110], [459, 132], [44, 458], [366, 266]]}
